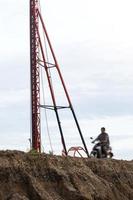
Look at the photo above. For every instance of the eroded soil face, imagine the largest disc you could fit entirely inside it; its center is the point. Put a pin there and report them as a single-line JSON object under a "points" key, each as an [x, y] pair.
{"points": [[44, 177]]}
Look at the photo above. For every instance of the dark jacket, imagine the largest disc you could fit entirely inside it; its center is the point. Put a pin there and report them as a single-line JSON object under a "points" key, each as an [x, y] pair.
{"points": [[103, 138]]}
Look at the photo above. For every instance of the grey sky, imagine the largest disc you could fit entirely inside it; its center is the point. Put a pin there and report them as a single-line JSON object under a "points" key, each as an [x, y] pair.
{"points": [[94, 45]]}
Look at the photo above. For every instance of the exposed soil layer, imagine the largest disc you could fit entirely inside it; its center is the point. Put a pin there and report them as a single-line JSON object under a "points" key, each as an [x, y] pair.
{"points": [[26, 176]]}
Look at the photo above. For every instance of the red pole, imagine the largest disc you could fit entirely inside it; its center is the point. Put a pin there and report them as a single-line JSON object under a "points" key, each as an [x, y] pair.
{"points": [[35, 78], [52, 93], [63, 83], [55, 60]]}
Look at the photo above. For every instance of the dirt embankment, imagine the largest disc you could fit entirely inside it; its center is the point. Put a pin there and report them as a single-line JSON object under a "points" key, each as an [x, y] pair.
{"points": [[43, 177]]}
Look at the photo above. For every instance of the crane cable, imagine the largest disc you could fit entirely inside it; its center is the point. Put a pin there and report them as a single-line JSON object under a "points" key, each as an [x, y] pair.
{"points": [[45, 111], [43, 96]]}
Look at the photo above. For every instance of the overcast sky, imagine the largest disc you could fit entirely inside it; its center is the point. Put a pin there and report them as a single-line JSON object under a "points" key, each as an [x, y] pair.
{"points": [[93, 41]]}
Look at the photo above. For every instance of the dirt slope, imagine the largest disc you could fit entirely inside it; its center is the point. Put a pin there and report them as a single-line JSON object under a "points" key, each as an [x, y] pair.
{"points": [[43, 177]]}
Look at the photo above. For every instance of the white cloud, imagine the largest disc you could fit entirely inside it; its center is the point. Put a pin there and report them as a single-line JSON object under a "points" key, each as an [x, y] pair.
{"points": [[14, 97]]}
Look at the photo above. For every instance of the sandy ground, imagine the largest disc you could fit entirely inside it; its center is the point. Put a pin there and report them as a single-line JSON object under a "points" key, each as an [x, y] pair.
{"points": [[44, 177]]}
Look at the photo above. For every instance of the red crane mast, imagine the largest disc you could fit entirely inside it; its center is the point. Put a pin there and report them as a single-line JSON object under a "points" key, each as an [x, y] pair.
{"points": [[35, 76], [36, 48]]}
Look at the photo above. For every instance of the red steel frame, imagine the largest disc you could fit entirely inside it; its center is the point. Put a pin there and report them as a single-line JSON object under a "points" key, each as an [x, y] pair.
{"points": [[35, 77], [35, 45]]}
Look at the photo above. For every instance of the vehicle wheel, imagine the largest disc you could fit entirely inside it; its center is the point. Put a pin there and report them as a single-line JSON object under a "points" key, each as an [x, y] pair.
{"points": [[99, 154], [111, 155], [92, 154]]}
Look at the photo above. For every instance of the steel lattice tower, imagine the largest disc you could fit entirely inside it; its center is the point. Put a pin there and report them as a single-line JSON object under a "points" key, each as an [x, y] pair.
{"points": [[36, 47], [35, 76]]}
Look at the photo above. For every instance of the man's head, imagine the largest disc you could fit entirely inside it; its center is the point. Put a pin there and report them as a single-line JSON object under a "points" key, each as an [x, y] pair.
{"points": [[102, 130]]}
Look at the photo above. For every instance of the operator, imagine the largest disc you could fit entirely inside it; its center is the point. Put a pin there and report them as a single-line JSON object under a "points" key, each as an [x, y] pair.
{"points": [[103, 138]]}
